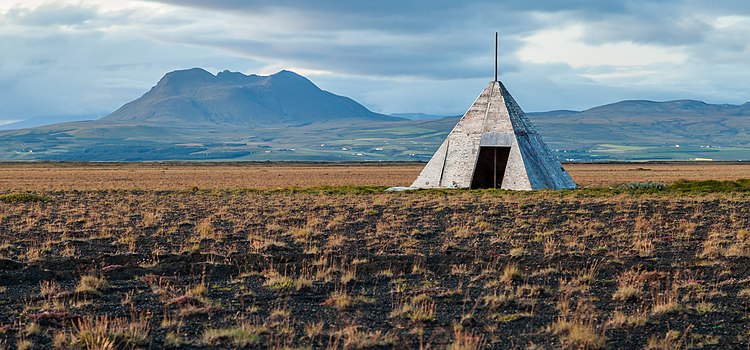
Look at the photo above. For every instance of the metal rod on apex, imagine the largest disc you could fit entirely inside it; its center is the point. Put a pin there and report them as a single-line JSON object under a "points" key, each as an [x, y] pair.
{"points": [[495, 56]]}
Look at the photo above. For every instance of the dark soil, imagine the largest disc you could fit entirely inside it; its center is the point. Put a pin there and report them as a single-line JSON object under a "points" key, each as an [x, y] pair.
{"points": [[395, 270]]}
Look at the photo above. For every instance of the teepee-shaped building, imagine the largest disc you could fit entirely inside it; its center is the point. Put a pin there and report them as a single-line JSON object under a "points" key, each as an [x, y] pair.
{"points": [[494, 145]]}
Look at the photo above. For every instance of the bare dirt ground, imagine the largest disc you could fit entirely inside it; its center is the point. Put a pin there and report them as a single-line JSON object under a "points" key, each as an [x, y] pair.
{"points": [[156, 176], [195, 268]]}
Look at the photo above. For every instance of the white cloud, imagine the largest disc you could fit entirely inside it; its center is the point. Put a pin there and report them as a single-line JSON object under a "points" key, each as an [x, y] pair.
{"points": [[91, 56], [621, 74], [726, 22], [566, 45], [274, 68]]}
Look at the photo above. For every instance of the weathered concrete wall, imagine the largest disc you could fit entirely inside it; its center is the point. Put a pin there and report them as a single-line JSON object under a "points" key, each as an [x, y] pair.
{"points": [[452, 166], [542, 166], [494, 119]]}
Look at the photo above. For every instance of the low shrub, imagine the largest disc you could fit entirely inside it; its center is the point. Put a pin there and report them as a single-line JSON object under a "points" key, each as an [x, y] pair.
{"points": [[635, 186], [741, 185], [334, 189], [22, 197]]}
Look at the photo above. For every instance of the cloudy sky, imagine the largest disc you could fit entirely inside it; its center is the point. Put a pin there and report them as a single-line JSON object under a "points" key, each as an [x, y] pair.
{"points": [[84, 57]]}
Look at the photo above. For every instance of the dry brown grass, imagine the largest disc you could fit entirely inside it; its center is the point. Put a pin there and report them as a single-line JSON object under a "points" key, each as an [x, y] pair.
{"points": [[64, 176], [281, 269], [602, 175]]}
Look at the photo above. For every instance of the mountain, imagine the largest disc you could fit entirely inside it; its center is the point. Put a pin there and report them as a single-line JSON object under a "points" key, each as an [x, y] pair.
{"points": [[678, 108], [231, 98], [195, 115], [649, 130]]}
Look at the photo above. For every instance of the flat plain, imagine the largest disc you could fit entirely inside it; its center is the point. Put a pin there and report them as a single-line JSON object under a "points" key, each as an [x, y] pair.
{"points": [[111, 256], [177, 176]]}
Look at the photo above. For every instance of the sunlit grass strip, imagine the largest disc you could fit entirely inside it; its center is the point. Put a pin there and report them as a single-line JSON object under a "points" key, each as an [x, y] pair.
{"points": [[22, 197]]}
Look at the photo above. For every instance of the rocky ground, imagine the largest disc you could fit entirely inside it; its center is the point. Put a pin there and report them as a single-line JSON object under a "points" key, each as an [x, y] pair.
{"points": [[354, 269]]}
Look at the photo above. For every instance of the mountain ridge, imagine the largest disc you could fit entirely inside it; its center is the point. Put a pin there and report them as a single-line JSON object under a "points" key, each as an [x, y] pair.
{"points": [[681, 106], [195, 115], [232, 98]]}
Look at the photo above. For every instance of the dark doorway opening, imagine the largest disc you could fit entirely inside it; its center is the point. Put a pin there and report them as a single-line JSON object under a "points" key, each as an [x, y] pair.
{"points": [[490, 167]]}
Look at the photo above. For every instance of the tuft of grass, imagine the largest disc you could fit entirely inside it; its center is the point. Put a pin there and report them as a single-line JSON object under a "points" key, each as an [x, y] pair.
{"points": [[705, 307], [32, 329], [741, 245], [578, 328], [301, 234], [744, 293], [60, 340], [506, 318], [668, 309], [641, 186], [510, 273], [629, 286], [92, 284], [199, 290], [49, 289], [666, 303], [104, 333], [302, 282], [22, 197], [672, 340], [420, 309], [341, 300], [626, 293], [517, 252], [277, 281], [465, 340], [24, 344], [620, 319], [314, 329], [498, 300], [172, 340], [242, 335], [580, 335], [356, 338], [205, 229], [349, 276]]}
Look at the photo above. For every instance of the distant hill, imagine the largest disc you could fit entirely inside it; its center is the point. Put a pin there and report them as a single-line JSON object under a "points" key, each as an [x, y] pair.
{"points": [[641, 130], [678, 108], [41, 121], [195, 115], [231, 98], [417, 116]]}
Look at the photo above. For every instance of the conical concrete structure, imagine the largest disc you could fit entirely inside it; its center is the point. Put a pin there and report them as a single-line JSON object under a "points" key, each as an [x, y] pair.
{"points": [[494, 145]]}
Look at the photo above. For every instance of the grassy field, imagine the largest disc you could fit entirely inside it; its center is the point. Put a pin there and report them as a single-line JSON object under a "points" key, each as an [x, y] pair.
{"points": [[179, 176], [188, 256]]}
